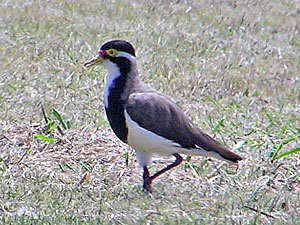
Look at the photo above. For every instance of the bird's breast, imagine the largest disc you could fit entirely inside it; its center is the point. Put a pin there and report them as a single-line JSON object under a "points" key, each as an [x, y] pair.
{"points": [[114, 104]]}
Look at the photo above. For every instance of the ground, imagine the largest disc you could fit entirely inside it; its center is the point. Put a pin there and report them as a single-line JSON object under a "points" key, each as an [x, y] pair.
{"points": [[232, 66]]}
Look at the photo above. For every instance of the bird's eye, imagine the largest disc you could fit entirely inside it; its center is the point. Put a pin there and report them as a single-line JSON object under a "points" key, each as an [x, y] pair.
{"points": [[112, 52]]}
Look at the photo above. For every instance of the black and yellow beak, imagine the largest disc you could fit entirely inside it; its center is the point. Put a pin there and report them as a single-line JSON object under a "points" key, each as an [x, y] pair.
{"points": [[97, 60]]}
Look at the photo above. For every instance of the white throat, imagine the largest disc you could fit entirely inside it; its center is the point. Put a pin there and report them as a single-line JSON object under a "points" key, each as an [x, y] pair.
{"points": [[113, 73]]}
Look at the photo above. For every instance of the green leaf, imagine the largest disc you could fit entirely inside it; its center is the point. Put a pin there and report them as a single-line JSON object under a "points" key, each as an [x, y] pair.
{"points": [[295, 150], [219, 124], [50, 126], [44, 138], [279, 147], [68, 125], [276, 151], [12, 87], [188, 158], [126, 159], [186, 161], [60, 119]]}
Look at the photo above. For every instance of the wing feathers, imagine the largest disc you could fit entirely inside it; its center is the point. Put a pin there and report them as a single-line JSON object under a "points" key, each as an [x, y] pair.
{"points": [[161, 116], [158, 114]]}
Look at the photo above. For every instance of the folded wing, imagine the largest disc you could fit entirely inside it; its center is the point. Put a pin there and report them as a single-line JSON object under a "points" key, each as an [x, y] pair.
{"points": [[158, 114]]}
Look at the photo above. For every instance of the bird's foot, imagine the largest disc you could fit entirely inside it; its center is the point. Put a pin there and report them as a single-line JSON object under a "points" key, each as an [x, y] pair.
{"points": [[147, 186]]}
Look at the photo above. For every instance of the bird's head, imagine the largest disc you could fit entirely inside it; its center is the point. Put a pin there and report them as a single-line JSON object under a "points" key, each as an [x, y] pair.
{"points": [[114, 54]]}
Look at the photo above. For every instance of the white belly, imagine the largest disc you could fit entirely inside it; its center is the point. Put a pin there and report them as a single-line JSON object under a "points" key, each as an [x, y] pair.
{"points": [[148, 144]]}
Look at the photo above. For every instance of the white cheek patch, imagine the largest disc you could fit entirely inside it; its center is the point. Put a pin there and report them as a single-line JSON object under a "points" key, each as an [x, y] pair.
{"points": [[128, 56]]}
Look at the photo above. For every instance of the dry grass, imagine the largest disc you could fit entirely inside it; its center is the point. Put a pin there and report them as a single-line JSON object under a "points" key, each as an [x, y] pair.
{"points": [[233, 66]]}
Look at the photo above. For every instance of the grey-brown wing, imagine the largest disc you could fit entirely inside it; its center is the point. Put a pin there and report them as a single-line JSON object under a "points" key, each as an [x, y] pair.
{"points": [[160, 115]]}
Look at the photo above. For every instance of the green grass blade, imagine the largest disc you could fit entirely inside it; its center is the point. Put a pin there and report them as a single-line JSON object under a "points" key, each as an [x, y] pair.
{"points": [[126, 155], [44, 138], [68, 165], [50, 126], [275, 155], [60, 119], [293, 151], [219, 124], [276, 151], [68, 125], [86, 165], [186, 161]]}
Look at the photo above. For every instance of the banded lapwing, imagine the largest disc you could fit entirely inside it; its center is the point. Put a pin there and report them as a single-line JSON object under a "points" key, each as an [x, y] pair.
{"points": [[146, 119]]}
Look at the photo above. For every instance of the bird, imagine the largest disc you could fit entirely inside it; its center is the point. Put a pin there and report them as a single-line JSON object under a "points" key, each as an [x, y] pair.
{"points": [[147, 120]]}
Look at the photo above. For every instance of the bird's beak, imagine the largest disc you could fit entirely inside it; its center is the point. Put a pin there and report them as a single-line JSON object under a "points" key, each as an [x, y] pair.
{"points": [[97, 60]]}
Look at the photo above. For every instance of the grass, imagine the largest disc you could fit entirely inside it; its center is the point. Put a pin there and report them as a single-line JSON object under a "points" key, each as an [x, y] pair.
{"points": [[232, 66]]}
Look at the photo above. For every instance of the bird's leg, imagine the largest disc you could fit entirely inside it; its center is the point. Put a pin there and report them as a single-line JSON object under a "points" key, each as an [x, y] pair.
{"points": [[148, 180]]}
